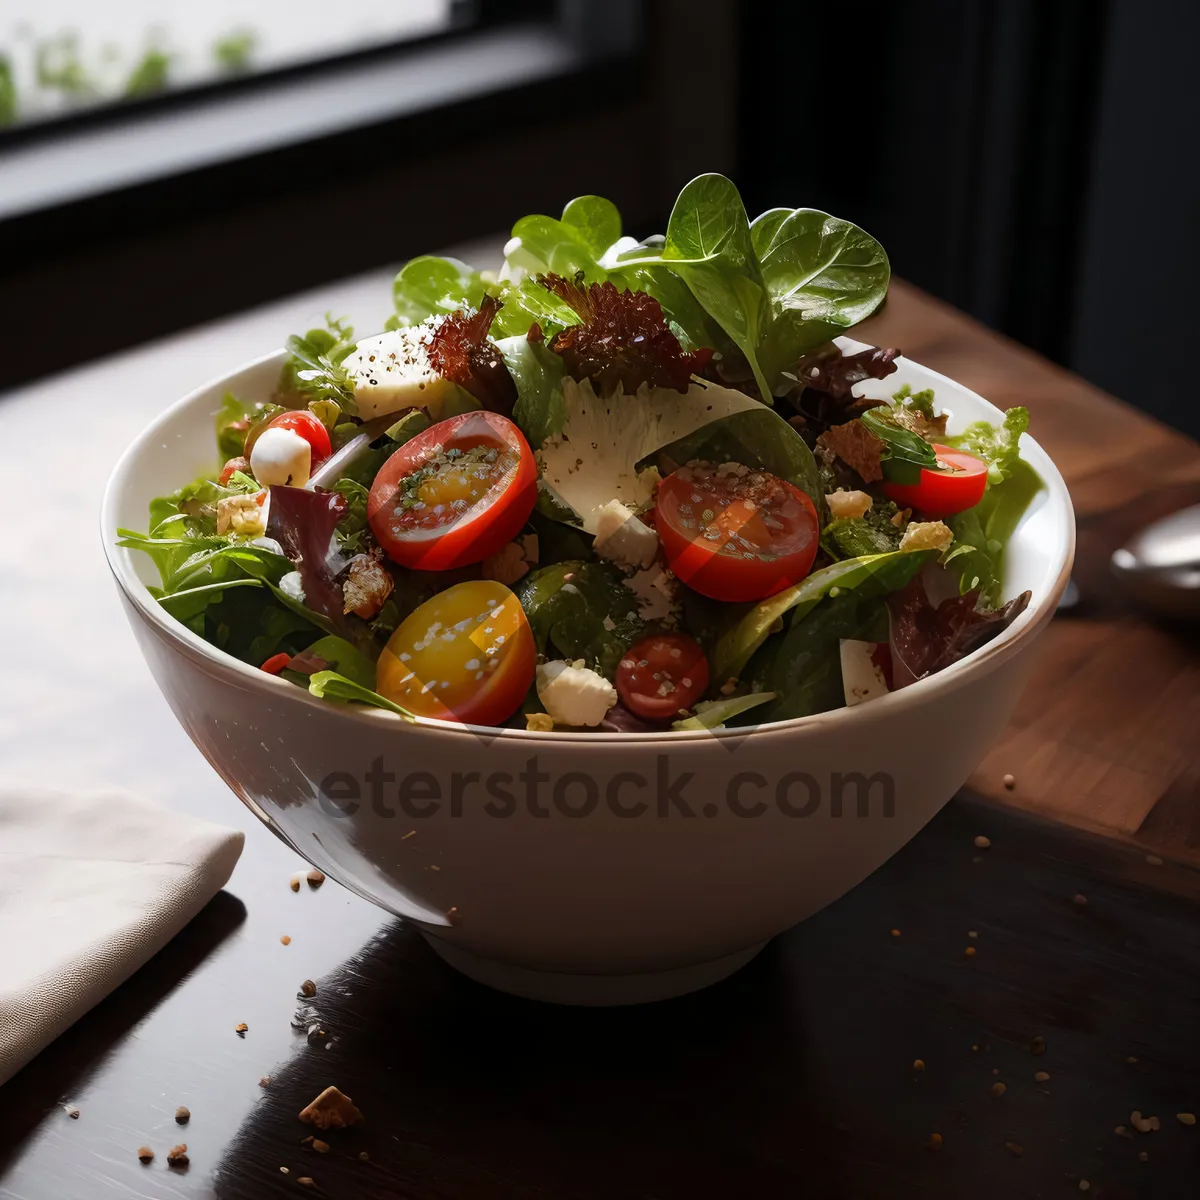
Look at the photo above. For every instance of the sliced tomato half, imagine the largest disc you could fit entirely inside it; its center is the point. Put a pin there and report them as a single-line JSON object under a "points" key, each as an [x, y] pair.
{"points": [[455, 493], [467, 655], [733, 533], [957, 484]]}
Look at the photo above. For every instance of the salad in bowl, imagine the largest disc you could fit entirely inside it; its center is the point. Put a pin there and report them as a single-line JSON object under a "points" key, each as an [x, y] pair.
{"points": [[614, 485]]}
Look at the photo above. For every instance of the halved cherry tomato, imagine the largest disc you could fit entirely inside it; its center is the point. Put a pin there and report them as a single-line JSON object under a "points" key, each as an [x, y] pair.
{"points": [[309, 426], [735, 534], [454, 494], [662, 675], [466, 655], [232, 465], [955, 487]]}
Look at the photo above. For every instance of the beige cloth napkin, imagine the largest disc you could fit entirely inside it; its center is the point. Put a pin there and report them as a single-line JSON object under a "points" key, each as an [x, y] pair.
{"points": [[91, 887]]}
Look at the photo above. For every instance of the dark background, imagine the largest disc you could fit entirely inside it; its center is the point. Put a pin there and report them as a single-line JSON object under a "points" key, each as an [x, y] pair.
{"points": [[1032, 163]]}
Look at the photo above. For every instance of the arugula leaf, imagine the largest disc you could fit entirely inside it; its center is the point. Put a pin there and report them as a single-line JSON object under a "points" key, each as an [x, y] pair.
{"points": [[351, 531], [758, 438], [538, 374], [592, 615], [329, 685], [314, 370], [879, 573]]}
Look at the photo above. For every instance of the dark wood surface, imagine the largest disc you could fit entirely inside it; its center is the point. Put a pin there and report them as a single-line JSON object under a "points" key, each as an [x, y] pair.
{"points": [[794, 1078], [1105, 737]]}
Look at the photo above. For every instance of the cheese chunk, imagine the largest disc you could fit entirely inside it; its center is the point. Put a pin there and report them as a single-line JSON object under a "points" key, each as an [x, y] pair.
{"points": [[862, 679], [392, 372], [574, 695], [623, 538]]}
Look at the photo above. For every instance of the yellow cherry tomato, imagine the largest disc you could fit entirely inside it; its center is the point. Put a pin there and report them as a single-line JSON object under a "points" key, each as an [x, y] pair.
{"points": [[466, 655]]}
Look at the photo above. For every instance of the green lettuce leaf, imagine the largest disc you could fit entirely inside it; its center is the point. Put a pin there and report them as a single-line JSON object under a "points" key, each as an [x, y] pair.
{"points": [[231, 442], [428, 285], [981, 534], [538, 374], [877, 573]]}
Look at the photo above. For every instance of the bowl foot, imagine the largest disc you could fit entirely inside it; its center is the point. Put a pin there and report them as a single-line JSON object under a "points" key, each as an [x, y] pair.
{"points": [[596, 990]]}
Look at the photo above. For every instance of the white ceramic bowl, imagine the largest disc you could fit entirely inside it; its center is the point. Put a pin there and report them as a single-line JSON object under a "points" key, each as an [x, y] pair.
{"points": [[570, 892]]}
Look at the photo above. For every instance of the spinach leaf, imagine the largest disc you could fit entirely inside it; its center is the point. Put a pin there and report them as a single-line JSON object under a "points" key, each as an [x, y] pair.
{"points": [[329, 685], [879, 573], [803, 667], [538, 374], [590, 615], [856, 537], [758, 438], [822, 274], [709, 245], [905, 453], [345, 659]]}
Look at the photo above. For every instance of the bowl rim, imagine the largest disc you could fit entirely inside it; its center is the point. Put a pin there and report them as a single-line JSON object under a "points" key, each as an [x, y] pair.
{"points": [[958, 675]]}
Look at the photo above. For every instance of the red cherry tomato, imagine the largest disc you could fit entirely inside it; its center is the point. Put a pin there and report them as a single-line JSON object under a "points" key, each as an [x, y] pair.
{"points": [[944, 492], [734, 536], [467, 655], [454, 494], [661, 675]]}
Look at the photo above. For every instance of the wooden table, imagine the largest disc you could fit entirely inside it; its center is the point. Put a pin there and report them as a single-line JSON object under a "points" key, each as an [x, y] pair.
{"points": [[793, 1078]]}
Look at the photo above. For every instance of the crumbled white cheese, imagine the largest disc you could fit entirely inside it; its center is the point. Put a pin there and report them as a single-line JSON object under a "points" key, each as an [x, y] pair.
{"points": [[392, 372], [862, 679], [244, 514], [657, 592], [848, 504], [291, 585], [623, 537], [926, 535], [281, 458], [574, 695]]}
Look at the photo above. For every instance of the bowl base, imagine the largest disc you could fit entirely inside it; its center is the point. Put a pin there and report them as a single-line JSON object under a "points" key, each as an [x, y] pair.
{"points": [[554, 987]]}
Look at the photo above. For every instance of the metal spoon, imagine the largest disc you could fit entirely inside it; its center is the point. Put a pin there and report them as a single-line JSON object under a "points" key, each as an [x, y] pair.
{"points": [[1161, 564]]}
